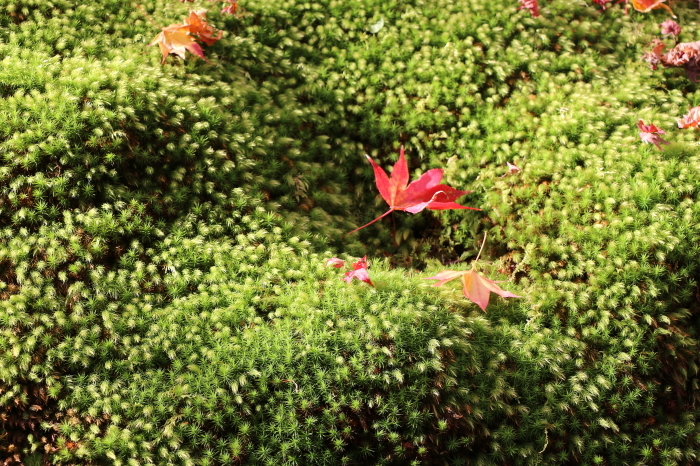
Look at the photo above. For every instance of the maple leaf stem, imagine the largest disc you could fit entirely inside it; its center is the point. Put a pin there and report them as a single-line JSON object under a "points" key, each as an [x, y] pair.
{"points": [[368, 224], [482, 246]]}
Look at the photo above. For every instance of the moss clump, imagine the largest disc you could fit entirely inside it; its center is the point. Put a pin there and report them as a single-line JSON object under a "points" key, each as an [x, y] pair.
{"points": [[163, 231]]}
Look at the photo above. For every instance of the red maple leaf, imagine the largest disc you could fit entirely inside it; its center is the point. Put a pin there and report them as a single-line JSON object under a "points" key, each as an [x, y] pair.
{"points": [[475, 287], [424, 193]]}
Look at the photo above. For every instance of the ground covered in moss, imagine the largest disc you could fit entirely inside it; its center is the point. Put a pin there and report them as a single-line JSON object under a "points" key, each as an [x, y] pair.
{"points": [[164, 229]]}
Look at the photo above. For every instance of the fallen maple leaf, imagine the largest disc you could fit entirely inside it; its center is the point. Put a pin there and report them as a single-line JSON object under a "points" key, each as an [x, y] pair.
{"points": [[531, 5], [475, 287], [687, 56], [645, 6], [423, 193], [650, 134], [359, 269], [670, 27], [691, 120], [199, 28], [176, 39]]}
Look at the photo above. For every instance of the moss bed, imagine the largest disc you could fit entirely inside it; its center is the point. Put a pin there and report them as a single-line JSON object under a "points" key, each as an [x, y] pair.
{"points": [[164, 229]]}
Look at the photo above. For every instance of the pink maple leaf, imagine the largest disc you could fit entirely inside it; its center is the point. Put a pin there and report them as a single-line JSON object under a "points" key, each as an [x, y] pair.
{"points": [[650, 134], [670, 27]]}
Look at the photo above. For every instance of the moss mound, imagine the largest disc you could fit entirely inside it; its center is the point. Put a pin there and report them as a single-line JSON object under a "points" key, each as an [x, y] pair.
{"points": [[164, 227]]}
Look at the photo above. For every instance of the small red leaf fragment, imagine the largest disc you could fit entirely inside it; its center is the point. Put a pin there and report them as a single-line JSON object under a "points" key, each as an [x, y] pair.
{"points": [[602, 3], [424, 193], [655, 56], [691, 120], [475, 287], [650, 134], [359, 271], [531, 5], [231, 7], [335, 262]]}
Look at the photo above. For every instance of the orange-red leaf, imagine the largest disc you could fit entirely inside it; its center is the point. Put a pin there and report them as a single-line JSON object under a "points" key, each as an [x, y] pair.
{"points": [[424, 193], [475, 287], [200, 29], [176, 39], [645, 6]]}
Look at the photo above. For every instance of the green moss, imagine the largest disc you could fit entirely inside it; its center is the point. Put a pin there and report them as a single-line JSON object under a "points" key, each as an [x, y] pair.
{"points": [[163, 230]]}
